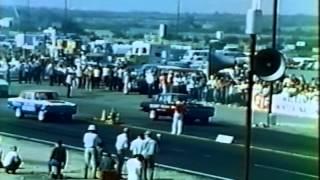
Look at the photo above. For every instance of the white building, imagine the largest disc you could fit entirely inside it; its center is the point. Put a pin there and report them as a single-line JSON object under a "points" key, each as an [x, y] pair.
{"points": [[26, 41], [155, 52], [121, 49], [52, 33], [6, 22]]}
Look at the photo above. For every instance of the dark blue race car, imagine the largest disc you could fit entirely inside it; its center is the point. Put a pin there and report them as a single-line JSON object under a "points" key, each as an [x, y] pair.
{"points": [[163, 105]]}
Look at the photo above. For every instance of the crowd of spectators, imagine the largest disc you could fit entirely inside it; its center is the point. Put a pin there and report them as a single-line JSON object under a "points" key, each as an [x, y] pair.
{"points": [[222, 87]]}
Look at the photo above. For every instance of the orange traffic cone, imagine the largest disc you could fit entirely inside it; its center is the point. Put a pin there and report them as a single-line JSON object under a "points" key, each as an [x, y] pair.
{"points": [[117, 119]]}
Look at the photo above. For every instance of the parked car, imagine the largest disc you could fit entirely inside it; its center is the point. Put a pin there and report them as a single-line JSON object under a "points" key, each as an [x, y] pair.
{"points": [[164, 105], [43, 103]]}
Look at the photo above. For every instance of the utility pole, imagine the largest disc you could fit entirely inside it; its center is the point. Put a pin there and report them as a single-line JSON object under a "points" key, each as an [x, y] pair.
{"points": [[65, 9], [26, 26], [65, 16], [178, 17], [253, 39], [274, 46], [29, 8], [28, 13], [252, 28]]}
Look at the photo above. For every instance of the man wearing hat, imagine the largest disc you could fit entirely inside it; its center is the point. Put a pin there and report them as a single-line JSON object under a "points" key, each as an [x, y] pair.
{"points": [[121, 145], [150, 149], [91, 141]]}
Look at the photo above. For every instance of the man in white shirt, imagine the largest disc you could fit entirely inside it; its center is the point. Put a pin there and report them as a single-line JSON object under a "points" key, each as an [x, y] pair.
{"points": [[150, 149], [88, 72], [177, 82], [120, 73], [150, 81], [137, 145], [134, 167], [121, 145], [126, 82], [50, 72], [69, 81], [12, 160], [106, 76], [91, 141], [96, 76], [79, 81]]}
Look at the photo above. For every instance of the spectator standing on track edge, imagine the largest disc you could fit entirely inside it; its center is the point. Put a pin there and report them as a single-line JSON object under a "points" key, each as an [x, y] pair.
{"points": [[177, 121], [150, 150], [134, 167], [91, 141], [107, 167], [122, 144]]}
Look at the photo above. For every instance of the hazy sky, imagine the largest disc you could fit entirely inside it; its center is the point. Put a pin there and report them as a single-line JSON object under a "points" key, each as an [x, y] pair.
{"points": [[309, 7]]}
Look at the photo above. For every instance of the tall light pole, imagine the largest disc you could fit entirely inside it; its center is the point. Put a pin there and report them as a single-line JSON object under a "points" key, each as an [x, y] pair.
{"points": [[252, 28]]}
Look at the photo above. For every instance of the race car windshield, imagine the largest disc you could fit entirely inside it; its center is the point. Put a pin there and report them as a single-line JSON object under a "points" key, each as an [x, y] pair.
{"points": [[172, 98], [47, 96]]}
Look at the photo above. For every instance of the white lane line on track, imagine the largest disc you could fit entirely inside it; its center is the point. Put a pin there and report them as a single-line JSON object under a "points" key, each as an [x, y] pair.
{"points": [[237, 145], [81, 149], [287, 171]]}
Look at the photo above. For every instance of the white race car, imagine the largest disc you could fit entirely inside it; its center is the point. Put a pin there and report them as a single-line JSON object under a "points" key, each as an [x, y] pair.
{"points": [[43, 103]]}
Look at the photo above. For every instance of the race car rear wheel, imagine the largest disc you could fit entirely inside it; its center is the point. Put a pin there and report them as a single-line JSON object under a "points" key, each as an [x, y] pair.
{"points": [[204, 121], [41, 116], [68, 117], [18, 113]]}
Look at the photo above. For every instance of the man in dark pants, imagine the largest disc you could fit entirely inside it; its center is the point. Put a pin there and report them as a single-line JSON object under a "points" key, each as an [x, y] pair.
{"points": [[122, 144], [107, 167], [68, 82], [51, 72], [8, 73], [150, 150], [58, 160], [21, 69]]}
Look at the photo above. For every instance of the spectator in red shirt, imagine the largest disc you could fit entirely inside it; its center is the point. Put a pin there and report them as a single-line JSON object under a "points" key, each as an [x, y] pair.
{"points": [[177, 121]]}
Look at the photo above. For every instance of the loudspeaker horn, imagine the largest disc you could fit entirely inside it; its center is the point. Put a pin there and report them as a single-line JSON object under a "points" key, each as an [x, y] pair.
{"points": [[269, 65]]}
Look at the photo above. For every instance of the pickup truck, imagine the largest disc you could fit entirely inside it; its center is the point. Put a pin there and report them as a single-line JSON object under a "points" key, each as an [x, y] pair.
{"points": [[164, 105], [43, 103]]}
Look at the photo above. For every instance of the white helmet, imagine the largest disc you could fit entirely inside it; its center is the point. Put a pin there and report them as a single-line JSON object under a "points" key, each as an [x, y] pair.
{"points": [[91, 127]]}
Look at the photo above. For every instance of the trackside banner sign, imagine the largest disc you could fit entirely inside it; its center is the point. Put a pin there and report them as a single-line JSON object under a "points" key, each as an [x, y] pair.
{"points": [[295, 106]]}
